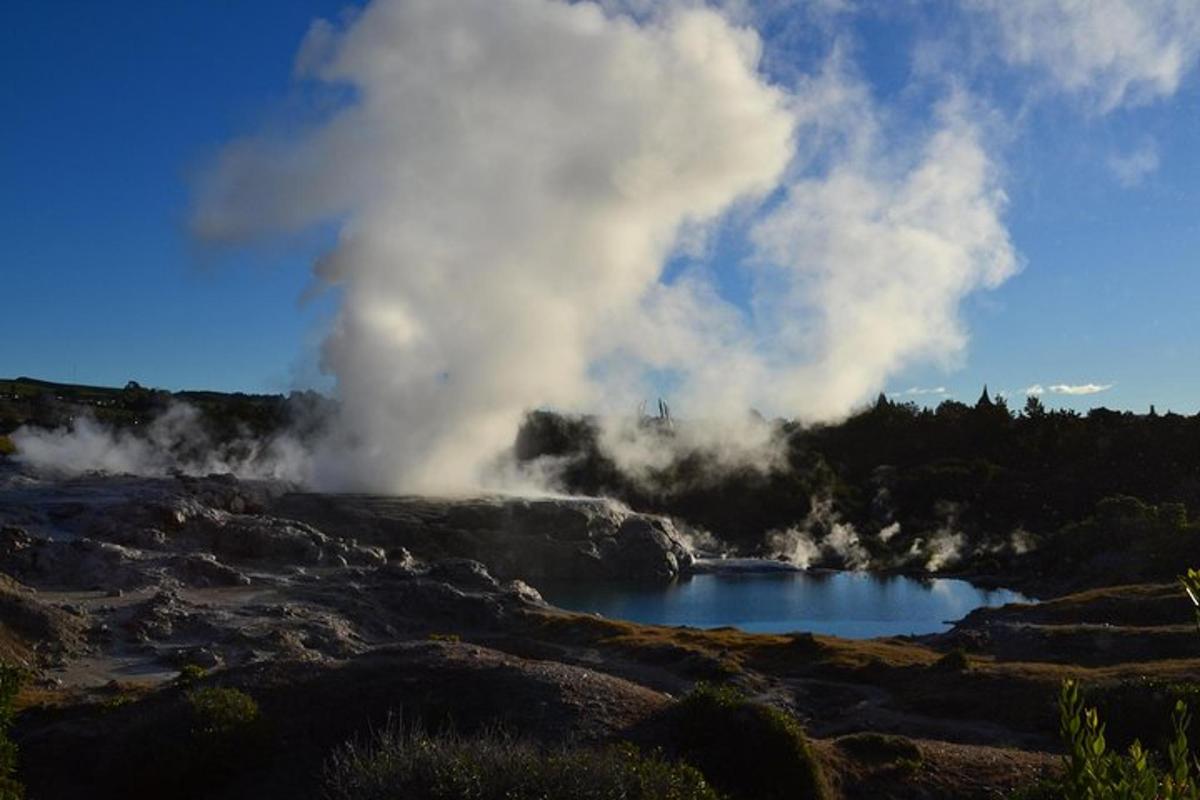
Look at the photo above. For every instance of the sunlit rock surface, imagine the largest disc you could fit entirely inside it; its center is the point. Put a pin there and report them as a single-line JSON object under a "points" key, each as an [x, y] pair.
{"points": [[121, 576], [527, 538]]}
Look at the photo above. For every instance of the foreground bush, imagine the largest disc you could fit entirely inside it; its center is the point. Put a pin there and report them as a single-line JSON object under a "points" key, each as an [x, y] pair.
{"points": [[747, 749], [493, 766], [1095, 772]]}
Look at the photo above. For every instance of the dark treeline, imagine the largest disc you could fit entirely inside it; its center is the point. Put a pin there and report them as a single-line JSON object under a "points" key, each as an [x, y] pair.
{"points": [[1108, 494], [225, 416], [1063, 484]]}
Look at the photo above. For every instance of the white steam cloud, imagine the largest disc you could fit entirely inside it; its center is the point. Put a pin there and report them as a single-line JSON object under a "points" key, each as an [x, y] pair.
{"points": [[512, 175], [173, 442], [823, 537], [510, 179], [871, 260]]}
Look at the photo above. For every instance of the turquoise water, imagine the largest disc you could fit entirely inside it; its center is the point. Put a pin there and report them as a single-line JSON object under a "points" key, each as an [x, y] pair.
{"points": [[854, 605]]}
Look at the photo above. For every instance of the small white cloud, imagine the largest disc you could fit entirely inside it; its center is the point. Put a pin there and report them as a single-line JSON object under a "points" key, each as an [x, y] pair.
{"points": [[1036, 390], [1131, 168], [920, 390], [1081, 388]]}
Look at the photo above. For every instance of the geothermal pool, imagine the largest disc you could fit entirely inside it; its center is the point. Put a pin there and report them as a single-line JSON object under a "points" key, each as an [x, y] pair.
{"points": [[855, 605]]}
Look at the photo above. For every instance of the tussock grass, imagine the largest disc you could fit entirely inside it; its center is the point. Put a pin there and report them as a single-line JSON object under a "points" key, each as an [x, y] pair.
{"points": [[492, 765]]}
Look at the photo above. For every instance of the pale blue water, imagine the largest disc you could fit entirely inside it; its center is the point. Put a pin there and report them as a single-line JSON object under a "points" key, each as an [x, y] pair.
{"points": [[854, 605]]}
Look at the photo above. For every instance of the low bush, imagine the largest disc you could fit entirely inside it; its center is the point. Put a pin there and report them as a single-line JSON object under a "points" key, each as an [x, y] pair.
{"points": [[223, 717], [747, 749], [7, 448], [404, 762]]}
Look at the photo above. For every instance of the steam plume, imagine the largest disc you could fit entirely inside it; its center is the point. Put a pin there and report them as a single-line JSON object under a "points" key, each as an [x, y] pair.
{"points": [[512, 175], [510, 178]]}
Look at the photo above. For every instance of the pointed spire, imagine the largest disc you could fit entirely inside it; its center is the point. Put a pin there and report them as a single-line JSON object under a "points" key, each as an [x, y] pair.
{"points": [[985, 400], [882, 401]]}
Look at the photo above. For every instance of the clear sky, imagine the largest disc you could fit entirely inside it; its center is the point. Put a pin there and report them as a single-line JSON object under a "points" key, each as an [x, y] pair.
{"points": [[108, 110]]}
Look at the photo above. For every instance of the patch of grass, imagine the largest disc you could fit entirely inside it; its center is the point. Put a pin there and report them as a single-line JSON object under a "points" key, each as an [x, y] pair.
{"points": [[11, 680], [746, 749], [713, 654], [106, 699], [110, 704], [7, 448], [880, 748], [899, 753], [494, 766], [444, 637]]}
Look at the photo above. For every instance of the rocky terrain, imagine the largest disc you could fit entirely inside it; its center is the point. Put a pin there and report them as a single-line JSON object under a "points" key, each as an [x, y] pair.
{"points": [[133, 576], [336, 613]]}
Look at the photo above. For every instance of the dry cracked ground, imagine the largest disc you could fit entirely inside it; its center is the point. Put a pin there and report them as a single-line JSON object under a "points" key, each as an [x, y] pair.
{"points": [[338, 613]]}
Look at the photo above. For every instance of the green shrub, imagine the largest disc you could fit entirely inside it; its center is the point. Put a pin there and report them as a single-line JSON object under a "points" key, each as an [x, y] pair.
{"points": [[747, 749], [7, 448], [1092, 771], [493, 766], [219, 713], [185, 745], [226, 734], [11, 679]]}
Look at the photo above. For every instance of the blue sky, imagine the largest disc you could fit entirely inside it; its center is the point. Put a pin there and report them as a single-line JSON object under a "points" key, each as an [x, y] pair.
{"points": [[109, 109]]}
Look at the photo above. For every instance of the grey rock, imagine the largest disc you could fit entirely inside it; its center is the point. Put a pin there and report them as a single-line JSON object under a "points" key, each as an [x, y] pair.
{"points": [[463, 572], [203, 570], [525, 538]]}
